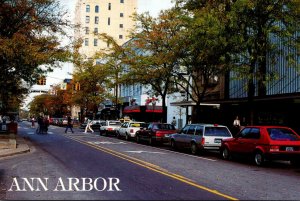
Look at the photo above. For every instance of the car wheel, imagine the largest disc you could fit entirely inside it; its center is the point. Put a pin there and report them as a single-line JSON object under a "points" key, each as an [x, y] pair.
{"points": [[259, 158], [118, 135], [126, 137], [138, 140], [225, 153], [194, 148], [173, 145]]}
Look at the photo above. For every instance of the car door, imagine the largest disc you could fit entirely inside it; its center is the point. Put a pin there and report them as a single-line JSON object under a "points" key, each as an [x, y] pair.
{"points": [[122, 128], [246, 141], [250, 140], [198, 134], [146, 133], [189, 136], [180, 137]]}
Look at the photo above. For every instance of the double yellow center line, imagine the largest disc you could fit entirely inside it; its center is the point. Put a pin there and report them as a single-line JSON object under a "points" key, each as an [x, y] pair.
{"points": [[152, 167]]}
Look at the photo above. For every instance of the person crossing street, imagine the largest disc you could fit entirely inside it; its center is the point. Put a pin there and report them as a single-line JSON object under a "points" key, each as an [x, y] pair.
{"points": [[69, 125]]}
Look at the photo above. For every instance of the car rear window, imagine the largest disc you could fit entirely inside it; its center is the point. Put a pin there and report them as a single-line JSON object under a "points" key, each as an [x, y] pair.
{"points": [[282, 134], [217, 131], [164, 127]]}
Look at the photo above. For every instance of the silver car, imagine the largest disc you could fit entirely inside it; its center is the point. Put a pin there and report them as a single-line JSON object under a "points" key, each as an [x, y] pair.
{"points": [[199, 137]]}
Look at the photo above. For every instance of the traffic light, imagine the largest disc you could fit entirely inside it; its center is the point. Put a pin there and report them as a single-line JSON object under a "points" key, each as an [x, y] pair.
{"points": [[42, 81], [77, 86]]}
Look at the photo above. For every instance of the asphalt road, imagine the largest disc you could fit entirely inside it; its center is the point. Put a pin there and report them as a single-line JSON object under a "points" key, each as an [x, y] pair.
{"points": [[134, 171]]}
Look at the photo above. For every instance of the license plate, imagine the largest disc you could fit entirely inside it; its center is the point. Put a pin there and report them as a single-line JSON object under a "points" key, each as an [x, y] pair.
{"points": [[218, 140], [289, 149]]}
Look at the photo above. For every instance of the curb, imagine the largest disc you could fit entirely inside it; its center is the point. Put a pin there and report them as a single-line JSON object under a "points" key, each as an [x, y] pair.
{"points": [[22, 147]]}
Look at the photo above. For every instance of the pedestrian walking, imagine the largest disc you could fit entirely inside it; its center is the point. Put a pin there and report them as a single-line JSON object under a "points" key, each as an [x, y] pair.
{"points": [[40, 127], [32, 122], [46, 124], [236, 125], [88, 126], [69, 125]]}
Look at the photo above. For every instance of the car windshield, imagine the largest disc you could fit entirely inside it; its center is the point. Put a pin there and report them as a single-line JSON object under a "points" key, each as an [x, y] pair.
{"points": [[217, 131], [164, 126], [282, 134]]}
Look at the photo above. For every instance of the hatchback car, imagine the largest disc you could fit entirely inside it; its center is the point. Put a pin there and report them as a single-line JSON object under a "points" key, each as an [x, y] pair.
{"points": [[199, 137], [264, 143]]}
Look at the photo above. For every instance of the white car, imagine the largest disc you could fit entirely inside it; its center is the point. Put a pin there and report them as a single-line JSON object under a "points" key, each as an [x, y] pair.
{"points": [[129, 129], [110, 127], [197, 137]]}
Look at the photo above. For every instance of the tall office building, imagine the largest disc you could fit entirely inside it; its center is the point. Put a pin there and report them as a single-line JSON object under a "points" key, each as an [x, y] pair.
{"points": [[112, 17]]}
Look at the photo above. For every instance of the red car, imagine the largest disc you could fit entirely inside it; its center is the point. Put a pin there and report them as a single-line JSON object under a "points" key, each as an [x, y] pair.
{"points": [[155, 133], [264, 143]]}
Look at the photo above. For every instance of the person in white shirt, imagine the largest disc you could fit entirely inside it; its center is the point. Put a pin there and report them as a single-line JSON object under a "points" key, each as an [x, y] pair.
{"points": [[88, 126], [236, 125]]}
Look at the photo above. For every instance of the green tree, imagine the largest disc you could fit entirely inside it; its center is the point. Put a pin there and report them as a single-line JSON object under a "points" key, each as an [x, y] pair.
{"points": [[152, 54], [209, 48], [93, 78], [248, 28], [29, 44]]}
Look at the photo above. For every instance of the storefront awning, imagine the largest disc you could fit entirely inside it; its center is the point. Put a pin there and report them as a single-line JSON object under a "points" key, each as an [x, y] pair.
{"points": [[154, 109], [192, 103], [132, 109]]}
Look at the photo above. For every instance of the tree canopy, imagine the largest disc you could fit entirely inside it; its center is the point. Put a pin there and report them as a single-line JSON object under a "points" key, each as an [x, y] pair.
{"points": [[30, 44]]}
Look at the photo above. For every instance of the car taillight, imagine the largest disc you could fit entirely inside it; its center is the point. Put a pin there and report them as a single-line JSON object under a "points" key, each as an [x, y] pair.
{"points": [[158, 134], [131, 131], [110, 129], [203, 141], [274, 148]]}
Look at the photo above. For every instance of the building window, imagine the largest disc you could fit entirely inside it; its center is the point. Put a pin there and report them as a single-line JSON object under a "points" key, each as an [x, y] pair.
{"points": [[121, 14], [120, 36], [96, 9], [121, 1], [121, 26], [95, 42], [109, 6], [95, 30], [87, 19], [86, 42], [96, 20], [87, 30], [108, 21], [87, 8]]}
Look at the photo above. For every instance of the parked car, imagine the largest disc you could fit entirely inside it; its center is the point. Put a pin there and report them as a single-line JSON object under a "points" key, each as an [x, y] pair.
{"points": [[95, 124], [264, 143], [129, 129], [110, 127], [199, 137], [155, 132]]}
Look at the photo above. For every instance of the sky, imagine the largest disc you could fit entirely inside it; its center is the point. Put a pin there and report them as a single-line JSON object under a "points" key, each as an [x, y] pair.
{"points": [[151, 6]]}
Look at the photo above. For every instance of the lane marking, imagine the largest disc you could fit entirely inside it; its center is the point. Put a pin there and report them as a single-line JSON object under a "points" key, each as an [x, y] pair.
{"points": [[106, 142], [150, 152], [153, 167]]}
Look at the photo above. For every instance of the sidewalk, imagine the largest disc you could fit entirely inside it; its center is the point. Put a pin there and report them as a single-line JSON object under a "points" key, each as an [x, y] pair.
{"points": [[22, 147]]}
